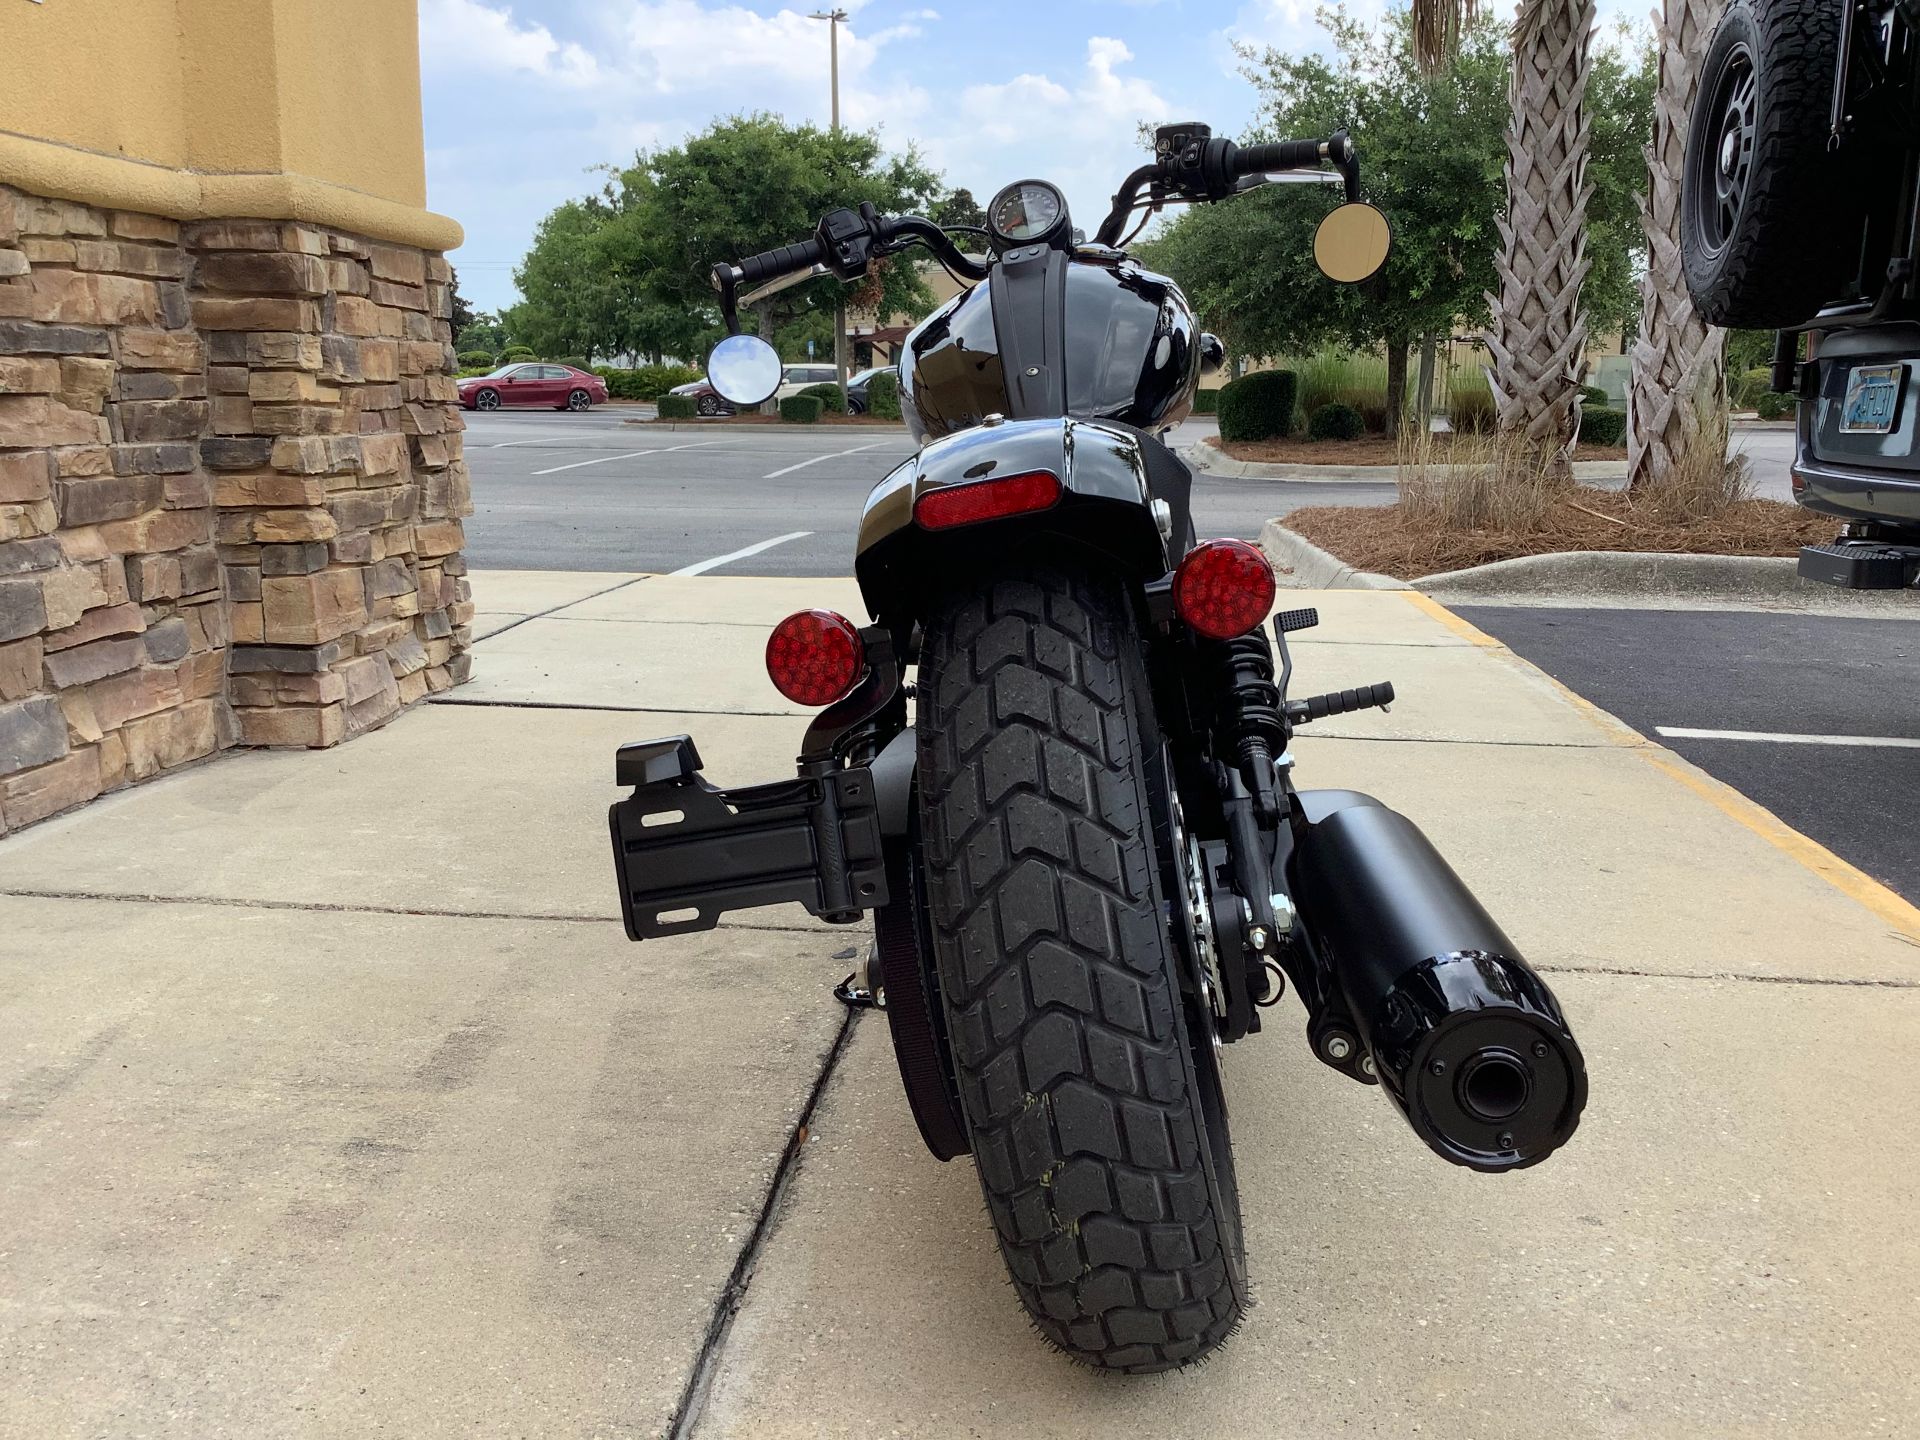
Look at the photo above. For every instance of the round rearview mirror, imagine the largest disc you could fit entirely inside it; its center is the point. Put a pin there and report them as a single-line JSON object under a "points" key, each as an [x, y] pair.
{"points": [[745, 369], [1352, 243]]}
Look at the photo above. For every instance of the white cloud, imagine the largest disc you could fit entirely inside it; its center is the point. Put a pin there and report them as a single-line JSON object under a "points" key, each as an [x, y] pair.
{"points": [[467, 35]]}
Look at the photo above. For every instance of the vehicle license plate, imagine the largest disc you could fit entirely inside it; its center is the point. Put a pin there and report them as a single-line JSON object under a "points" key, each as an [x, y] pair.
{"points": [[1873, 399]]}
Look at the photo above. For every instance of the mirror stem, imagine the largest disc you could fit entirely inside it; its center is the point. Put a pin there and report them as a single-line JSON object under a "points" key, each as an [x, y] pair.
{"points": [[726, 279]]}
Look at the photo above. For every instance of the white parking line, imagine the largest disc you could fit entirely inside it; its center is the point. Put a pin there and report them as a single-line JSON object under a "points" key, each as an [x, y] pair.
{"points": [[718, 560], [509, 444], [818, 458], [1882, 742], [630, 455]]}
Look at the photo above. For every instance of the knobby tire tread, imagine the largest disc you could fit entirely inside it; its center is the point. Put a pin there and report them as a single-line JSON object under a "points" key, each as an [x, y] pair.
{"points": [[1058, 975]]}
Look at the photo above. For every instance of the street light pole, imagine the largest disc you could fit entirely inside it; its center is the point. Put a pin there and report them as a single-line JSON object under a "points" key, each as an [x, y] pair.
{"points": [[834, 19]]}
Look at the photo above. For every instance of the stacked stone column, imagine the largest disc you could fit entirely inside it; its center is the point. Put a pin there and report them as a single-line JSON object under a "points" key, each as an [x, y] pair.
{"points": [[230, 493]]}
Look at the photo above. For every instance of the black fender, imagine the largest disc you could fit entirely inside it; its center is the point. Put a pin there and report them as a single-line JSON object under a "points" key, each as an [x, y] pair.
{"points": [[1111, 476]]}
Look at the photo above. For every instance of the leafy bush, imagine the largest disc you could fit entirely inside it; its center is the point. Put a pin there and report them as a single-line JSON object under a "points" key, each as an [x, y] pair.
{"points": [[829, 396], [1335, 421], [1594, 395], [1602, 425], [516, 352], [883, 396], [801, 409], [1258, 406], [1470, 407], [1205, 402], [649, 382], [578, 362], [676, 407], [470, 371], [475, 360], [1745, 389], [1773, 406]]}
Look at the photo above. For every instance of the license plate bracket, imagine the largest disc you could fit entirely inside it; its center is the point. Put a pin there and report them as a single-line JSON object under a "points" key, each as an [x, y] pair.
{"points": [[1872, 403], [685, 851]]}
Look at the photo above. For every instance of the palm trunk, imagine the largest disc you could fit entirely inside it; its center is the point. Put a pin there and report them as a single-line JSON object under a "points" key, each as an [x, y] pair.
{"points": [[1538, 338], [1676, 399]]}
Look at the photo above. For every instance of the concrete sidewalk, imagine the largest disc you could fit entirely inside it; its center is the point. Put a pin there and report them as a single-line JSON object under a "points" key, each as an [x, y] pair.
{"points": [[457, 1159]]}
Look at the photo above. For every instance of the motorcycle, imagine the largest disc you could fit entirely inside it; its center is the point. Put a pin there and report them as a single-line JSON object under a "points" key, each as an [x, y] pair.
{"points": [[1087, 863]]}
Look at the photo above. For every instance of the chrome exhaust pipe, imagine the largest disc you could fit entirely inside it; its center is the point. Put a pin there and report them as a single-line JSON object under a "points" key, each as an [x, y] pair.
{"points": [[1467, 1040]]}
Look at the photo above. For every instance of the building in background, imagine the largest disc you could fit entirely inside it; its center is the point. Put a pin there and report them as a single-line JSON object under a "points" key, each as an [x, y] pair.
{"points": [[231, 481]]}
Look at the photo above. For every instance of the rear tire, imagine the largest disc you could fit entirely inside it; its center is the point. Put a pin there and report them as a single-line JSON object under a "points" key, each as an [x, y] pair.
{"points": [[1095, 1121], [1771, 223], [578, 400]]}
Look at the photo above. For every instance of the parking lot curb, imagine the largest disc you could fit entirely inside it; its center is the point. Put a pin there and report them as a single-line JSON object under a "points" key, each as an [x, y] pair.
{"points": [[1209, 458], [1592, 575], [720, 423]]}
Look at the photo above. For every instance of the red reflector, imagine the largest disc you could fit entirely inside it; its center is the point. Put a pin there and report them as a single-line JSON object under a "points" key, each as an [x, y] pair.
{"points": [[1223, 588], [814, 657], [986, 500]]}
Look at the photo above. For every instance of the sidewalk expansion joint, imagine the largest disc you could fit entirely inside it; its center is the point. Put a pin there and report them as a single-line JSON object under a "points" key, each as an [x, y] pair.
{"points": [[556, 609], [616, 709], [1841, 982], [241, 902], [693, 1399]]}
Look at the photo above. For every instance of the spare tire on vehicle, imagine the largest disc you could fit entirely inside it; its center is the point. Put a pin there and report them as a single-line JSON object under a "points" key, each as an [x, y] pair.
{"points": [[1770, 227]]}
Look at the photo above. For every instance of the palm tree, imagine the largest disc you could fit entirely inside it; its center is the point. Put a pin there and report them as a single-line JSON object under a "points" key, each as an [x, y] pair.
{"points": [[1538, 337], [1676, 399]]}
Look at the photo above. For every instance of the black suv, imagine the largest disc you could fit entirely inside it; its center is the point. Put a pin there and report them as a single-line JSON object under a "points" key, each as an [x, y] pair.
{"points": [[1800, 207]]}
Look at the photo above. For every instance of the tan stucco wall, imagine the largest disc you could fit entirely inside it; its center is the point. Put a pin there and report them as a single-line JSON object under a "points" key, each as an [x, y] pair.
{"points": [[278, 109]]}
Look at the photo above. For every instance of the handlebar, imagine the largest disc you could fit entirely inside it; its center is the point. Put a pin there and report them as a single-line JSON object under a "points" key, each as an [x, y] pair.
{"points": [[783, 260], [1201, 167]]}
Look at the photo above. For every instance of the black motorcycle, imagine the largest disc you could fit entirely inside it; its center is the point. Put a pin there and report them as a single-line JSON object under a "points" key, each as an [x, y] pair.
{"points": [[1087, 864]]}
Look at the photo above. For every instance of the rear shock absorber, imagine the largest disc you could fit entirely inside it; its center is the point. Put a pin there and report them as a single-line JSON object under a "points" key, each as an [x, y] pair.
{"points": [[1252, 728]]}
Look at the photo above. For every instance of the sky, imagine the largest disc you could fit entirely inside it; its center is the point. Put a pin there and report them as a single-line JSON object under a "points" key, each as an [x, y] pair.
{"points": [[523, 98]]}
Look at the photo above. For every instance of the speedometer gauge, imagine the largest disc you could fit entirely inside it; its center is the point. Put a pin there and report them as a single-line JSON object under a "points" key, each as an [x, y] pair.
{"points": [[1028, 211]]}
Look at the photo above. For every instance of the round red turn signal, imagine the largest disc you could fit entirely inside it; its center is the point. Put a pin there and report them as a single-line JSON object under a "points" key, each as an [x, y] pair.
{"points": [[1223, 588], [814, 657]]}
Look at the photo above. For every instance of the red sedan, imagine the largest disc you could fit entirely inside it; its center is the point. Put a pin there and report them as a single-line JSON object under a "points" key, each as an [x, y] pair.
{"points": [[533, 382]]}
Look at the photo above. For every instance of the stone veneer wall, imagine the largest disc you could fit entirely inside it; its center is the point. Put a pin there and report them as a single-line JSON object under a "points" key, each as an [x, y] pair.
{"points": [[230, 493]]}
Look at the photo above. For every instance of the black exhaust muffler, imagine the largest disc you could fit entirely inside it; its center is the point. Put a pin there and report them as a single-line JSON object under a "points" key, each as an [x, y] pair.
{"points": [[1465, 1037]]}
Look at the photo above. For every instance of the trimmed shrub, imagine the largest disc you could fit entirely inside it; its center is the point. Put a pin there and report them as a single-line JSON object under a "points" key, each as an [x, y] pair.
{"points": [[648, 382], [516, 352], [883, 396], [1773, 406], [1595, 396], [1258, 406], [578, 362], [801, 409], [677, 407], [1206, 402], [1334, 421], [1602, 425], [475, 360], [1745, 389], [829, 396]]}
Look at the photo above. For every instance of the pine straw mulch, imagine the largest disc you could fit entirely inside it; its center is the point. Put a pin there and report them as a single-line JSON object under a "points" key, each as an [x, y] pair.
{"points": [[1367, 450], [1390, 541]]}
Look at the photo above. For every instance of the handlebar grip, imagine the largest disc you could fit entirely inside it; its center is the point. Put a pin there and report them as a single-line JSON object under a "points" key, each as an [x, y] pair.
{"points": [[782, 261], [1340, 702], [1282, 155]]}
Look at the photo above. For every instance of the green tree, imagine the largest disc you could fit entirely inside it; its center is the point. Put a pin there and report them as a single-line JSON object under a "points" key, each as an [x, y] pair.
{"points": [[750, 183], [462, 315], [570, 304], [1431, 148], [958, 209], [1620, 113], [481, 332]]}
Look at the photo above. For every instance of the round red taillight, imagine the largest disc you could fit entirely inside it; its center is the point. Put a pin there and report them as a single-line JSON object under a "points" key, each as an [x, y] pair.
{"points": [[1223, 588], [815, 656]]}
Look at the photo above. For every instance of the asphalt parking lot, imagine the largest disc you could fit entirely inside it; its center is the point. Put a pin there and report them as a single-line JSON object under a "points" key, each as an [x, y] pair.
{"points": [[591, 492], [1816, 717]]}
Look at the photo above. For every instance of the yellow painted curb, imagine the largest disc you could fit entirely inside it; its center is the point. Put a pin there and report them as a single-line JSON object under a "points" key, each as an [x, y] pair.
{"points": [[1850, 881]]}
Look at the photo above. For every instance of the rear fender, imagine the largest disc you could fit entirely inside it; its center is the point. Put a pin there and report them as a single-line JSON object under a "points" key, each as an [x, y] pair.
{"points": [[1109, 478]]}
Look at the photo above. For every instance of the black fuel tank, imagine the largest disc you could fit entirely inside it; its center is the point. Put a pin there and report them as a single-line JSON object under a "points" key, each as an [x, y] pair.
{"points": [[1090, 336]]}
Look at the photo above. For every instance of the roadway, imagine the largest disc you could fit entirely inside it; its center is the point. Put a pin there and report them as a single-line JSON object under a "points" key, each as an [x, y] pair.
{"points": [[592, 492]]}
